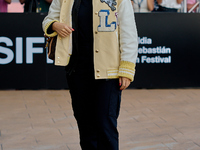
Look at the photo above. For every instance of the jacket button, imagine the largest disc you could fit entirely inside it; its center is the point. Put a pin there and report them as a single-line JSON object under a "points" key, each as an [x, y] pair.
{"points": [[98, 75], [98, 70], [58, 57], [60, 38], [96, 13], [96, 32], [96, 50]]}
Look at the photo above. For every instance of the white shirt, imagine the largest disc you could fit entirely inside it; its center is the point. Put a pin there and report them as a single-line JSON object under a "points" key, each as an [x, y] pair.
{"points": [[170, 4]]}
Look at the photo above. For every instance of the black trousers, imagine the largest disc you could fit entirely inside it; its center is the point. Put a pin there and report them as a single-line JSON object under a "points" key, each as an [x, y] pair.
{"points": [[96, 105]]}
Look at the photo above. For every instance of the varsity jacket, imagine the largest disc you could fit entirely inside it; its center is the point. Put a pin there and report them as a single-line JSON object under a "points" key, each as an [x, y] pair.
{"points": [[115, 36]]}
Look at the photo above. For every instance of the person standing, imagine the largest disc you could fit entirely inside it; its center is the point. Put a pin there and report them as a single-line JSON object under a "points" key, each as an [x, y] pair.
{"points": [[143, 5], [4, 5], [190, 4], [169, 5], [97, 42], [156, 7], [132, 2], [39, 6]]}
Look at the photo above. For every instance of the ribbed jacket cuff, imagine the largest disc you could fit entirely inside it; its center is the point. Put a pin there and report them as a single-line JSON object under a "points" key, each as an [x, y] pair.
{"points": [[53, 33], [127, 69]]}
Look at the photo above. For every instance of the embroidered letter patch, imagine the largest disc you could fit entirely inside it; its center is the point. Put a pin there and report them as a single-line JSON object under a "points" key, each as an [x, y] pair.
{"points": [[104, 26], [110, 3]]}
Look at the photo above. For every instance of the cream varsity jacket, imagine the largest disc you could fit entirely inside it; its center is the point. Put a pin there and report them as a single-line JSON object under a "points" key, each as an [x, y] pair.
{"points": [[115, 36]]}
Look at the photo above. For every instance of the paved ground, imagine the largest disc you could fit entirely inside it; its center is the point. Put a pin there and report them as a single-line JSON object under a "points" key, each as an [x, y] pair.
{"points": [[149, 120]]}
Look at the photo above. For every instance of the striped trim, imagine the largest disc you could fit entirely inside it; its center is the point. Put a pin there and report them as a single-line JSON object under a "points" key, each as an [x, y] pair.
{"points": [[46, 28], [127, 69], [112, 73], [125, 72]]}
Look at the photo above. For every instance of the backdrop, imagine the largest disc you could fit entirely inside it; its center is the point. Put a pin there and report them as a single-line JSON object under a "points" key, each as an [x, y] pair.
{"points": [[168, 52]]}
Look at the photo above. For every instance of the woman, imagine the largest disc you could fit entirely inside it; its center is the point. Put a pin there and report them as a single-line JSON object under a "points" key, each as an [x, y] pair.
{"points": [[169, 5], [39, 6], [4, 5], [143, 5], [97, 42], [190, 4]]}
